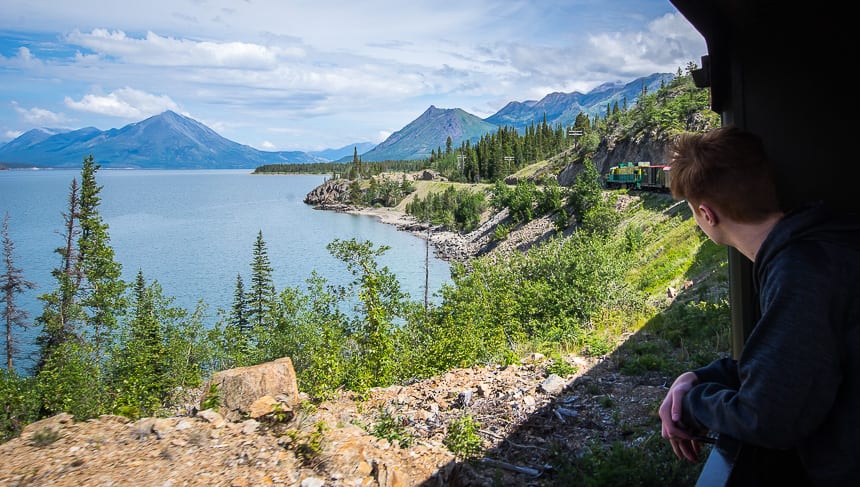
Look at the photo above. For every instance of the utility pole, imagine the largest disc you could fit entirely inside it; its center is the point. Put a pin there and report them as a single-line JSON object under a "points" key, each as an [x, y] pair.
{"points": [[508, 163], [426, 259], [574, 133]]}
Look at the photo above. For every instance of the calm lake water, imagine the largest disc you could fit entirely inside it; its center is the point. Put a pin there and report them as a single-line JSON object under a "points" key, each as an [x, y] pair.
{"points": [[194, 231]]}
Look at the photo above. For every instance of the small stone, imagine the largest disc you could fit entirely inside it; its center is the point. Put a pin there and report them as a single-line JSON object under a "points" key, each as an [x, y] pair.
{"points": [[553, 384], [214, 418], [262, 406], [250, 426]]}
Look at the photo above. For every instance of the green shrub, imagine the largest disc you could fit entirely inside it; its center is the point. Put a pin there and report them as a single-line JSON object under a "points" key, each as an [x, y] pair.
{"points": [[501, 232], [392, 428], [45, 436], [595, 345], [212, 399], [462, 438], [559, 366], [19, 404]]}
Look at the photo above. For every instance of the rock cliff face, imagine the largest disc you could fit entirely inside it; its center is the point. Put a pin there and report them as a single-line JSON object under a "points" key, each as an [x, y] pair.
{"points": [[329, 195], [651, 146], [611, 151]]}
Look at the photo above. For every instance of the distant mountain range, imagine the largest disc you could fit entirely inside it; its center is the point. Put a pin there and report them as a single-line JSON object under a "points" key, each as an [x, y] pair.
{"points": [[344, 153], [173, 141], [164, 141], [562, 108]]}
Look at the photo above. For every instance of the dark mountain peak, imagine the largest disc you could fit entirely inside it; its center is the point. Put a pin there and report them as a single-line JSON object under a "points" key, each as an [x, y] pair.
{"points": [[434, 112], [428, 132]]}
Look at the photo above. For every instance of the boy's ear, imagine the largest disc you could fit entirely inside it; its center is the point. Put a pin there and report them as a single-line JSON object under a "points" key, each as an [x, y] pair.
{"points": [[710, 215]]}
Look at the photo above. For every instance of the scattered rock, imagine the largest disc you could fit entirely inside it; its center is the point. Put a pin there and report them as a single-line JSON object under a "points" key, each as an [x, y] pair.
{"points": [[520, 412]]}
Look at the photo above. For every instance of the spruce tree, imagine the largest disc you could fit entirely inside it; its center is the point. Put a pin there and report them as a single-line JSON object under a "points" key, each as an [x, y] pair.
{"points": [[239, 310], [261, 297], [140, 378], [102, 291], [61, 310], [12, 282]]}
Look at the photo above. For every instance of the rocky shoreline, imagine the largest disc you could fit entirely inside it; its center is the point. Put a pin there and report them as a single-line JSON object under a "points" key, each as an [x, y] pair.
{"points": [[449, 246]]}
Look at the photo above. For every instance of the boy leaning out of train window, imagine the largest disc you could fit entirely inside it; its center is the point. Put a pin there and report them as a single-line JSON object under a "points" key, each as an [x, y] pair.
{"points": [[796, 385]]}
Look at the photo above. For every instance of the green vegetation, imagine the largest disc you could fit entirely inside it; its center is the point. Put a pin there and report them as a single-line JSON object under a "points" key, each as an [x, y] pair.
{"points": [[342, 169], [462, 438], [559, 366], [392, 427], [455, 209], [650, 464], [107, 347]]}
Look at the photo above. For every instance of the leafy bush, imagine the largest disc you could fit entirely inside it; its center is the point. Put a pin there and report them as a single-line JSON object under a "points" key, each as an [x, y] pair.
{"points": [[393, 428], [559, 366], [19, 403], [456, 209], [501, 232], [462, 438], [213, 397]]}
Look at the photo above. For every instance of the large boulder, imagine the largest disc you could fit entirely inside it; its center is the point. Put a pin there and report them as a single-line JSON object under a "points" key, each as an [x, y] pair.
{"points": [[238, 389]]}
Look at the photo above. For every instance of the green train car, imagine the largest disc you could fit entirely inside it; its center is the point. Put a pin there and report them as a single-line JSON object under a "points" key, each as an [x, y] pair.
{"points": [[639, 175]]}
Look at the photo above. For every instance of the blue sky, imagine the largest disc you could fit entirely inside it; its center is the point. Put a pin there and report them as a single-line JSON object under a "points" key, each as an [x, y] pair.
{"points": [[309, 75]]}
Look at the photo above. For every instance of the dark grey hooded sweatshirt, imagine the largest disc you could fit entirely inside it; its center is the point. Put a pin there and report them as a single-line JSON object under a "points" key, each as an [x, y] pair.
{"points": [[797, 383]]}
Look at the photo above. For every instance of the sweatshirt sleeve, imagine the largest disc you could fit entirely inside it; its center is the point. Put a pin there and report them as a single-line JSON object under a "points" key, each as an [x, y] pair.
{"points": [[788, 373], [723, 371]]}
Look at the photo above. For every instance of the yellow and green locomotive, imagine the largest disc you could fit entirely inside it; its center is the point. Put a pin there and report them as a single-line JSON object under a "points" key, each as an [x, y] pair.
{"points": [[639, 175]]}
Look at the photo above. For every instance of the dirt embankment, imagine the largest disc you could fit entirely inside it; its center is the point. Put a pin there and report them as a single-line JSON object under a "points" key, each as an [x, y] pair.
{"points": [[523, 414]]}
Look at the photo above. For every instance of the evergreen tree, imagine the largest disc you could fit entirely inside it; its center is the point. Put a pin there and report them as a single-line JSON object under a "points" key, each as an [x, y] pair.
{"points": [[102, 291], [587, 191], [12, 282], [89, 290], [61, 309], [140, 369], [261, 297], [239, 311]]}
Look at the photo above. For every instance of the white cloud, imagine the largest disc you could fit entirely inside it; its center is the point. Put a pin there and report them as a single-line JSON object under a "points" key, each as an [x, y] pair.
{"points": [[13, 134], [333, 73], [24, 54], [668, 43], [156, 50], [124, 103], [266, 145], [39, 116], [23, 58]]}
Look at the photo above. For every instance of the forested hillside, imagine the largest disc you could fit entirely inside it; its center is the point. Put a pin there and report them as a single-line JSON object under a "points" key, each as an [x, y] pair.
{"points": [[620, 277]]}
